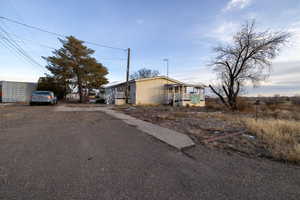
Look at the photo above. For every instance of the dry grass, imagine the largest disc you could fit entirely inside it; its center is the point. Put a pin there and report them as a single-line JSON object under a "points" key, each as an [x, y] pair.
{"points": [[124, 106], [282, 110], [278, 131], [180, 114], [230, 117], [281, 137], [213, 104]]}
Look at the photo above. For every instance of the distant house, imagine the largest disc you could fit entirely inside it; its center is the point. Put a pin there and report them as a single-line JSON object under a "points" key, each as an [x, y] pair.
{"points": [[11, 91], [159, 90]]}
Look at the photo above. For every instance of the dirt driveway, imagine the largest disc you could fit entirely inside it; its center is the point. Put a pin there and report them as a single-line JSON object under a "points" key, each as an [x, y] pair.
{"points": [[90, 155]]}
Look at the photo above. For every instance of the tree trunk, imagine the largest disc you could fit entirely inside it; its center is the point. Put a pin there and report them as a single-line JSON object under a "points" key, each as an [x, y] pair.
{"points": [[80, 89], [229, 101], [233, 104], [219, 95]]}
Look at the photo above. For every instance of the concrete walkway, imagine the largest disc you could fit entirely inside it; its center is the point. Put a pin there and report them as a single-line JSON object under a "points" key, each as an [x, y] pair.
{"points": [[172, 138]]}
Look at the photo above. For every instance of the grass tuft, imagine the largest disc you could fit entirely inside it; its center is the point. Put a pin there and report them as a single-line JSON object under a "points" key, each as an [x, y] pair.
{"points": [[281, 137]]}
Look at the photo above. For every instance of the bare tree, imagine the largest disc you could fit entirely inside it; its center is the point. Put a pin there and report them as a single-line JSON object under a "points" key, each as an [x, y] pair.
{"points": [[246, 60], [144, 73]]}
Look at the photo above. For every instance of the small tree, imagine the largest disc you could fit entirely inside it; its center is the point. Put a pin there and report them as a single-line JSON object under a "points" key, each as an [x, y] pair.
{"points": [[246, 60], [73, 65], [144, 73]]}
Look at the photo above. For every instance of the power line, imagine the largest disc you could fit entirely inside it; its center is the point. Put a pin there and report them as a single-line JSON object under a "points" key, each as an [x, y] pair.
{"points": [[19, 51], [25, 41], [5, 45], [8, 46], [16, 49], [58, 34], [15, 46]]}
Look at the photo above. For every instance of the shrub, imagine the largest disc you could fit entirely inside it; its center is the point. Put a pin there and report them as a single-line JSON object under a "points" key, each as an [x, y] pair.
{"points": [[214, 104], [245, 106], [296, 100]]}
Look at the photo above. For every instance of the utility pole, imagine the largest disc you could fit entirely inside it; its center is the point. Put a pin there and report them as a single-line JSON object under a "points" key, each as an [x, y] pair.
{"points": [[127, 76], [167, 90], [167, 62]]}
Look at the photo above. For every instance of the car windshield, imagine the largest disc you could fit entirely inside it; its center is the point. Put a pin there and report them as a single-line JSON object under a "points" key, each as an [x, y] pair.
{"points": [[41, 93]]}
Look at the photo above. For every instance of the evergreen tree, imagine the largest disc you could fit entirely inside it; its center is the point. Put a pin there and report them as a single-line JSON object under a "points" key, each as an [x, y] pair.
{"points": [[74, 66]]}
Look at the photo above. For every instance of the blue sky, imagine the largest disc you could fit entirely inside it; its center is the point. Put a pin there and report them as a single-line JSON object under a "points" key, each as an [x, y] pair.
{"points": [[182, 31]]}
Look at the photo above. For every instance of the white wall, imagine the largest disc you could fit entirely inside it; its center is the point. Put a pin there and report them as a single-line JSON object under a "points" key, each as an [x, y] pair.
{"points": [[17, 91]]}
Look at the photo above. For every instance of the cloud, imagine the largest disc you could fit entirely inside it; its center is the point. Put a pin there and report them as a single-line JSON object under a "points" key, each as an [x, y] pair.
{"points": [[271, 90], [237, 4], [285, 73], [284, 79], [292, 12], [291, 51], [197, 75], [283, 68], [224, 31]]}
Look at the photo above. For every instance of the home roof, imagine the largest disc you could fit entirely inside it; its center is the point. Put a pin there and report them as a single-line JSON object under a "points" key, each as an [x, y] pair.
{"points": [[114, 84], [186, 85], [1, 81]]}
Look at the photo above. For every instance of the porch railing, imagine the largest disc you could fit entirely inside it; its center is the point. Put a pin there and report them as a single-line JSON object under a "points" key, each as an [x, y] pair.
{"points": [[184, 97], [119, 95]]}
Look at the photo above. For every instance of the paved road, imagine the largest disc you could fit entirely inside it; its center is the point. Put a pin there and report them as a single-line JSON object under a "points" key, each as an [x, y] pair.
{"points": [[90, 155]]}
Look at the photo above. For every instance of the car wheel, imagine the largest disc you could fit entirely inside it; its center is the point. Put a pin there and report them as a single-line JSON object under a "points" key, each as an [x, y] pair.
{"points": [[31, 103]]}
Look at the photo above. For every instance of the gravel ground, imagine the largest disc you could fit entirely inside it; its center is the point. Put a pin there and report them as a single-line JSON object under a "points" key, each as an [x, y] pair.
{"points": [[90, 155]]}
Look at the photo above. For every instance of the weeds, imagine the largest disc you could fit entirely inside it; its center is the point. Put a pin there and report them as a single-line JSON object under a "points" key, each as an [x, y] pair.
{"points": [[180, 114], [277, 128], [281, 137]]}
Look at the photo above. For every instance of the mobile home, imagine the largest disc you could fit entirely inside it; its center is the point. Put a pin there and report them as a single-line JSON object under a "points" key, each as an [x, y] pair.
{"points": [[159, 90]]}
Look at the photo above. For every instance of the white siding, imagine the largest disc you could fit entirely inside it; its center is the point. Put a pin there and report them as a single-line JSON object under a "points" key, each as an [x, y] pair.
{"points": [[16, 91]]}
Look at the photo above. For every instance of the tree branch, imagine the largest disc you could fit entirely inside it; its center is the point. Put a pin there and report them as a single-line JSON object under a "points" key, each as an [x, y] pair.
{"points": [[219, 95]]}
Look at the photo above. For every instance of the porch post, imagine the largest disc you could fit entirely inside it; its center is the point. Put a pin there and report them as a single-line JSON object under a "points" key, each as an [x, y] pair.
{"points": [[181, 95], [173, 90]]}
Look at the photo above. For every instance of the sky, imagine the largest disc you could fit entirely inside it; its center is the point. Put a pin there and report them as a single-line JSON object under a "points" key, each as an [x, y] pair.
{"points": [[184, 32]]}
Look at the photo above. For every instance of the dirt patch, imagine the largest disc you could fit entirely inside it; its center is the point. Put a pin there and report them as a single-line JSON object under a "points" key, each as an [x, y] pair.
{"points": [[214, 129]]}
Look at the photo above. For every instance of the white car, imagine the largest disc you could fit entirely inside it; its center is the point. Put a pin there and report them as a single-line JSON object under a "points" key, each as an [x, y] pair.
{"points": [[43, 97]]}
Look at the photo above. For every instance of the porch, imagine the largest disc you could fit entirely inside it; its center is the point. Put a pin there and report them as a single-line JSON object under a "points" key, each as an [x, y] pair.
{"points": [[116, 95], [184, 95]]}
